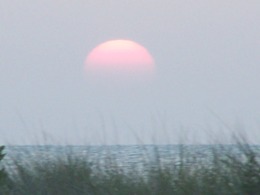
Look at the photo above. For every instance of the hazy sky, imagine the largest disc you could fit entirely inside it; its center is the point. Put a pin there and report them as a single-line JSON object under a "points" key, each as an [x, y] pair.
{"points": [[207, 55]]}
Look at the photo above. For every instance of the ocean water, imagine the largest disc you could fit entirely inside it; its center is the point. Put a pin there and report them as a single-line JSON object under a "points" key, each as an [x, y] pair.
{"points": [[126, 157]]}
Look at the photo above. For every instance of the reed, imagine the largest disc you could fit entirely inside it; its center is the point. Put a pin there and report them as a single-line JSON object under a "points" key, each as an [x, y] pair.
{"points": [[227, 170]]}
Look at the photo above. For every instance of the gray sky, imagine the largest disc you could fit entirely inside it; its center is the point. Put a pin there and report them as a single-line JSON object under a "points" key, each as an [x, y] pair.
{"points": [[207, 59]]}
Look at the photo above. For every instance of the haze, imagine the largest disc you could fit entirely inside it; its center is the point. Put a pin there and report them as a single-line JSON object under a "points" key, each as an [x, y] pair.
{"points": [[207, 83]]}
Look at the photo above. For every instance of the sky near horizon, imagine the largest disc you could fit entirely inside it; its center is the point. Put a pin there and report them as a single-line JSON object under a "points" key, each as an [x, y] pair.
{"points": [[207, 55]]}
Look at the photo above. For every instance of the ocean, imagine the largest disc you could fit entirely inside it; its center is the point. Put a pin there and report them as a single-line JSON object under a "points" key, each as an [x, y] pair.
{"points": [[125, 157]]}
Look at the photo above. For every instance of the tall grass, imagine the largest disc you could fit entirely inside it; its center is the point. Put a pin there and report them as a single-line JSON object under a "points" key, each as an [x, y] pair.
{"points": [[226, 170]]}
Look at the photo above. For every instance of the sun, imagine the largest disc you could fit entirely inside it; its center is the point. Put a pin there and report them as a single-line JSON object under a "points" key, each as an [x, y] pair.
{"points": [[120, 59]]}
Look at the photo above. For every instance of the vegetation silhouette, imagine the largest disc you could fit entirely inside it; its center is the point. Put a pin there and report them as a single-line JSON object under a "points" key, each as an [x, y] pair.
{"points": [[228, 169]]}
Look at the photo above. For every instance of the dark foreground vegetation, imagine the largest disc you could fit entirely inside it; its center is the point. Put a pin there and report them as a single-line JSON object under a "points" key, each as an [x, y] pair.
{"points": [[224, 172]]}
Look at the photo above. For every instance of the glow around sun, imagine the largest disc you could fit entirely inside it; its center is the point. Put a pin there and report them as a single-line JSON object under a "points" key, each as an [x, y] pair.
{"points": [[120, 59]]}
